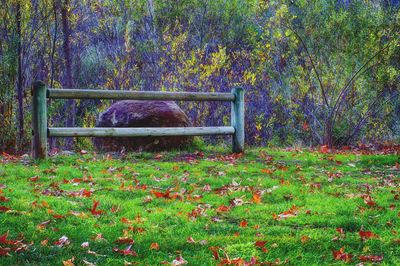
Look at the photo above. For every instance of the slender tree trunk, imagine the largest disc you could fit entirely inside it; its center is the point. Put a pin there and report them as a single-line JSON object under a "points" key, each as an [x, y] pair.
{"points": [[20, 92], [328, 138], [52, 141], [70, 108]]}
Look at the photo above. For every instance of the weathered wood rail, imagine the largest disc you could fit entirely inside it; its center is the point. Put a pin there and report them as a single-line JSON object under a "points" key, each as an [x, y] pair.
{"points": [[41, 132]]}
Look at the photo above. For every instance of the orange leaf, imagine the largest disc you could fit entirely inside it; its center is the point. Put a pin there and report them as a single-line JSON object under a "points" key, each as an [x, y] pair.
{"points": [[243, 223], [69, 262], [154, 246], [214, 250], [267, 171], [223, 208], [257, 197]]}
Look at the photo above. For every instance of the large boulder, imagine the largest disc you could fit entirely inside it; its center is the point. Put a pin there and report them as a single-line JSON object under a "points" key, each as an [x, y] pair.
{"points": [[142, 114]]}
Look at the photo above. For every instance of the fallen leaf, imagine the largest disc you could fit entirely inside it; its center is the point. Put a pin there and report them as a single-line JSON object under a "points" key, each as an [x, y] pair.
{"points": [[190, 240], [63, 241], [94, 210], [4, 209], [154, 246], [179, 261], [4, 251], [223, 208], [69, 262], [305, 239], [366, 235], [371, 258], [126, 252], [340, 255], [215, 250], [34, 178], [243, 223]]}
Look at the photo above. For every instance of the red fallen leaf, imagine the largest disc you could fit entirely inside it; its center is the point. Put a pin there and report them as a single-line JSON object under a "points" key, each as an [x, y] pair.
{"points": [[223, 208], [366, 235], [77, 180], [154, 246], [371, 258], [214, 250], [159, 194], [368, 200], [94, 210], [260, 244], [136, 229], [4, 251], [243, 223], [58, 216], [125, 240], [85, 193], [4, 199], [340, 255], [83, 152], [340, 230], [126, 220], [126, 252], [63, 241], [4, 209], [34, 178], [3, 238], [324, 149]]}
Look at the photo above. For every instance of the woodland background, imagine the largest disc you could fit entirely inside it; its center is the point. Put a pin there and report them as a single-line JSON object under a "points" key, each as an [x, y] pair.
{"points": [[315, 72]]}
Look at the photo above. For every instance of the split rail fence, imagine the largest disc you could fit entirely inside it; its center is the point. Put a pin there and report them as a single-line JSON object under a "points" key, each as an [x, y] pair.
{"points": [[41, 131]]}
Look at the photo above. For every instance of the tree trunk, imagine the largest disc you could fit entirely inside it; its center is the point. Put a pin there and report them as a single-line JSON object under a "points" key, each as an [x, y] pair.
{"points": [[20, 92], [328, 138], [52, 141], [70, 104]]}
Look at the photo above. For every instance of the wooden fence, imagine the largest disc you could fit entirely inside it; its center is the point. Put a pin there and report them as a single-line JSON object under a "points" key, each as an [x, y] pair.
{"points": [[41, 132]]}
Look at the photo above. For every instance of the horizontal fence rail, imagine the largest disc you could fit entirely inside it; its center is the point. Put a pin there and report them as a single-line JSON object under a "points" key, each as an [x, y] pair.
{"points": [[138, 132], [138, 95], [41, 132]]}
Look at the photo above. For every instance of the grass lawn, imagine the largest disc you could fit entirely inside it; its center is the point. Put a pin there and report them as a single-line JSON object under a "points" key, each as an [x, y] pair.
{"points": [[268, 206]]}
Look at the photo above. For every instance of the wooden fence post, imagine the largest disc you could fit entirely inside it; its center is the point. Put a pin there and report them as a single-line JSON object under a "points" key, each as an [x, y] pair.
{"points": [[237, 120], [39, 120]]}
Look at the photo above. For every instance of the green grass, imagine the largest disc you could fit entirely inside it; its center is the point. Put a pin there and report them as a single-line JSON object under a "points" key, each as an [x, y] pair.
{"points": [[329, 204]]}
